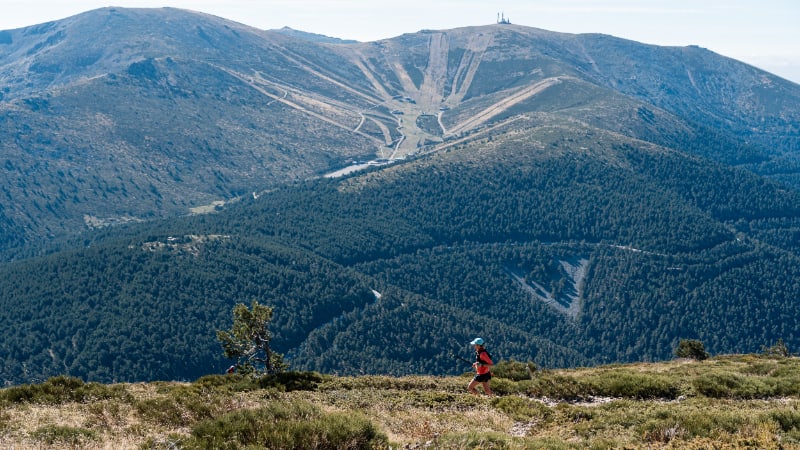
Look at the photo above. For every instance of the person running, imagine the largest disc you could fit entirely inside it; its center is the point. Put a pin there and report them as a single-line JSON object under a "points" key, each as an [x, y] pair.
{"points": [[483, 363]]}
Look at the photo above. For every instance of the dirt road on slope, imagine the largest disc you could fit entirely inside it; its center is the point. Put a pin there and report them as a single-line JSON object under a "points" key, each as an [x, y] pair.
{"points": [[502, 106]]}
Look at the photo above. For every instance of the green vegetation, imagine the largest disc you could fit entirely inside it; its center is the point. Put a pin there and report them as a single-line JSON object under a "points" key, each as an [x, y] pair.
{"points": [[637, 406], [587, 220], [64, 436], [691, 348], [568, 259], [248, 341], [59, 390], [293, 425]]}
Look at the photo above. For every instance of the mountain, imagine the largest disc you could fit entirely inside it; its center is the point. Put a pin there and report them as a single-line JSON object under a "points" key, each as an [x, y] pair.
{"points": [[574, 199], [313, 36], [165, 111]]}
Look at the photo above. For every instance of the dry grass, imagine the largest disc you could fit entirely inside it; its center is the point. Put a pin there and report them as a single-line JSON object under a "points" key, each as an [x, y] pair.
{"points": [[436, 412]]}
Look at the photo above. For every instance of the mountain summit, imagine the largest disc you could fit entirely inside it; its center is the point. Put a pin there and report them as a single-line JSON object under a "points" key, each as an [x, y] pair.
{"points": [[119, 115]]}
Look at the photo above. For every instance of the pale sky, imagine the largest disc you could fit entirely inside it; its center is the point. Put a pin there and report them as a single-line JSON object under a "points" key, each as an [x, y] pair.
{"points": [[764, 33]]}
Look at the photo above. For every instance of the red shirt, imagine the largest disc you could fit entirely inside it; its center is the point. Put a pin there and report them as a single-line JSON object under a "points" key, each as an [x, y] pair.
{"points": [[484, 361]]}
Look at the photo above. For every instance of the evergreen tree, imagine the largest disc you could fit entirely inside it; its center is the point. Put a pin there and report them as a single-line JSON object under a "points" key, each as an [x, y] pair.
{"points": [[248, 341], [691, 348]]}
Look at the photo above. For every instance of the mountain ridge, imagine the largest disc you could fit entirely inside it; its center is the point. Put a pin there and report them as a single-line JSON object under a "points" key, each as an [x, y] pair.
{"points": [[386, 99]]}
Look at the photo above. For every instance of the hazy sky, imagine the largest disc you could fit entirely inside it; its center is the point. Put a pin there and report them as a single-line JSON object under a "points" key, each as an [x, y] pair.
{"points": [[764, 33]]}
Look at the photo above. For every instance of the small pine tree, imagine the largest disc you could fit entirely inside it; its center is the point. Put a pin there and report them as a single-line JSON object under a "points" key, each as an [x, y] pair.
{"points": [[691, 348], [779, 350], [248, 341]]}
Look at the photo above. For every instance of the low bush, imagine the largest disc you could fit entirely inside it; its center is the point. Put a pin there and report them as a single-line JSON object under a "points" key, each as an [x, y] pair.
{"points": [[732, 385], [227, 383], [292, 381], [429, 399], [661, 431], [557, 387], [475, 440], [666, 424], [786, 385], [452, 384], [504, 386], [61, 389], [181, 407], [628, 384], [287, 426], [760, 368], [62, 435], [514, 370], [522, 409], [787, 419]]}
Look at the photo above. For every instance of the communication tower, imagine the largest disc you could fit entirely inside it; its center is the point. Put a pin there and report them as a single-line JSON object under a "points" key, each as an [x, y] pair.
{"points": [[502, 19]]}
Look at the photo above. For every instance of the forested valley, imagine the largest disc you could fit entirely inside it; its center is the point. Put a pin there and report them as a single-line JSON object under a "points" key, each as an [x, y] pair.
{"points": [[393, 270]]}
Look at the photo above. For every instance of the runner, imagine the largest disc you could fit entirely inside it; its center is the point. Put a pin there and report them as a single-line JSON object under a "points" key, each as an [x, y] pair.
{"points": [[482, 365]]}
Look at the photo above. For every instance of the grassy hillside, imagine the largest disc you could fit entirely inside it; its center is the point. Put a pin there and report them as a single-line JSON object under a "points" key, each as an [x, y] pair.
{"points": [[730, 402]]}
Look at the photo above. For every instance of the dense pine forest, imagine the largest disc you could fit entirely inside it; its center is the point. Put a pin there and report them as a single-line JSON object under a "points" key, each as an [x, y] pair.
{"points": [[392, 270]]}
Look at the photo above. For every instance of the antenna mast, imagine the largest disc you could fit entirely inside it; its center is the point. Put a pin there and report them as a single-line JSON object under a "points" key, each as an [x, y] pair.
{"points": [[502, 19]]}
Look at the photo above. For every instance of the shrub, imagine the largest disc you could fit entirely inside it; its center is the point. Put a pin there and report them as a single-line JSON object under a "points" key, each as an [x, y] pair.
{"points": [[628, 384], [779, 350], [713, 422], [54, 434], [292, 381], [105, 414], [61, 389], [293, 426], [5, 421], [522, 409], [558, 387], [760, 368], [514, 370], [504, 386], [691, 348], [182, 407], [788, 420], [227, 383], [731, 385], [787, 385], [661, 431], [429, 399], [474, 440], [665, 424]]}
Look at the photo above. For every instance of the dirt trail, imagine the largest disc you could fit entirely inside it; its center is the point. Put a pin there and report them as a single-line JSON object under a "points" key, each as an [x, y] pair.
{"points": [[254, 80], [387, 135], [435, 75], [368, 72], [308, 66], [503, 105], [467, 67]]}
